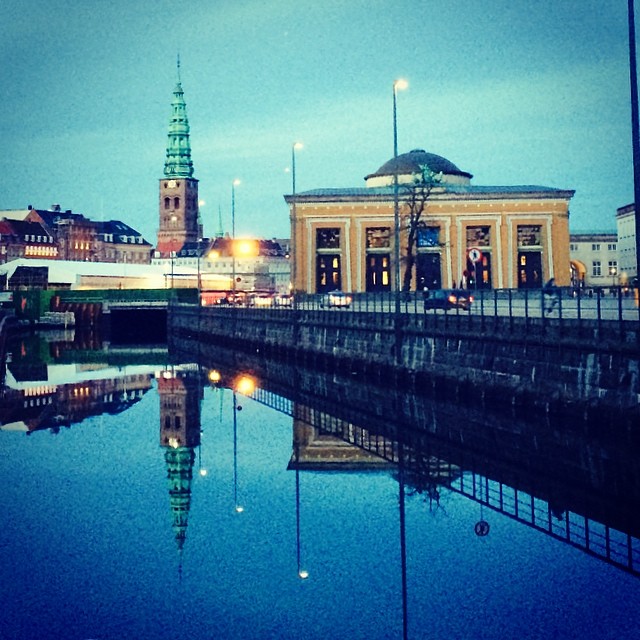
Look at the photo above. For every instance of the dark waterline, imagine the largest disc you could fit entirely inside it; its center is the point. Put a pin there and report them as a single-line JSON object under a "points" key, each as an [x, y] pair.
{"points": [[92, 549]]}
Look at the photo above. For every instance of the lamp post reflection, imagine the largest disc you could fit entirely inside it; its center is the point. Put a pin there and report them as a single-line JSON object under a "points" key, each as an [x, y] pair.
{"points": [[403, 539], [238, 507], [244, 385], [303, 574]]}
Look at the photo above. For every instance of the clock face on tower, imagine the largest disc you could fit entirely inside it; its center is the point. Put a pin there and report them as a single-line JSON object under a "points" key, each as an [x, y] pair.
{"points": [[172, 184]]}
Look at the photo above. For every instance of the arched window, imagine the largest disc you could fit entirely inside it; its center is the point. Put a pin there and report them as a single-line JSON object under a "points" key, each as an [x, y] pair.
{"points": [[176, 203], [167, 203]]}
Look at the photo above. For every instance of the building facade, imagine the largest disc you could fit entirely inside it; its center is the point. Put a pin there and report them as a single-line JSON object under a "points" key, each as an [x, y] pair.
{"points": [[466, 235], [25, 239], [594, 259], [626, 224], [63, 235]]}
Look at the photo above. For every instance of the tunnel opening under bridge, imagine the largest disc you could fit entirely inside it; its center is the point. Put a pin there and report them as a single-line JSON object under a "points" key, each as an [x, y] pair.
{"points": [[137, 326]]}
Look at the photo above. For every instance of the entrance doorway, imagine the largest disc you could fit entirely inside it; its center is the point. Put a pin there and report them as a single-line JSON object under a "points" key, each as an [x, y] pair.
{"points": [[328, 273], [479, 273], [529, 270], [428, 271], [378, 272]]}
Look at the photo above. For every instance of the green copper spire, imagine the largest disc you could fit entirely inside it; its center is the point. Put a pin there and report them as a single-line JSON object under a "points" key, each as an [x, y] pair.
{"points": [[178, 163], [179, 473]]}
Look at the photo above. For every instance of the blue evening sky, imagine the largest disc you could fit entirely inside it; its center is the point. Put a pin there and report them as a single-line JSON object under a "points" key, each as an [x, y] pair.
{"points": [[513, 92]]}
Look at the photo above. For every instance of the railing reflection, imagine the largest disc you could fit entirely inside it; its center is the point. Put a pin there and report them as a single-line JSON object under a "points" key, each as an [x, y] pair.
{"points": [[425, 465]]}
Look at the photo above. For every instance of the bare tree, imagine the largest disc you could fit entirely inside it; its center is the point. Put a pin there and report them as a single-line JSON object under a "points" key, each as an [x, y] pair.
{"points": [[414, 196]]}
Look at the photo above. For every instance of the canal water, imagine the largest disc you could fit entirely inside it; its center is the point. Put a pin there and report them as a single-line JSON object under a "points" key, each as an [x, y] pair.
{"points": [[150, 497]]}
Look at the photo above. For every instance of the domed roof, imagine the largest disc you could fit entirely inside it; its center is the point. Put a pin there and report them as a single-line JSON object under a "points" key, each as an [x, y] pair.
{"points": [[410, 163]]}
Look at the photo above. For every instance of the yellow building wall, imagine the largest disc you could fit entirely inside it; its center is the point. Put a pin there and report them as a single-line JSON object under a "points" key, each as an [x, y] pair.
{"points": [[453, 216]]}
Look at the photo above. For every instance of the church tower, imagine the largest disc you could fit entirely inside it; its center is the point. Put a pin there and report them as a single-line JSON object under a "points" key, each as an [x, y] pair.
{"points": [[179, 214]]}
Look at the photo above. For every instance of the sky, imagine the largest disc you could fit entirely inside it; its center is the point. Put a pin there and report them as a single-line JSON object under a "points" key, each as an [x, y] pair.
{"points": [[513, 92]]}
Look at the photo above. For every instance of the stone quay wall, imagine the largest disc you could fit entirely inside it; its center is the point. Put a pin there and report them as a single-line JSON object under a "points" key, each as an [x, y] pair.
{"points": [[579, 367]]}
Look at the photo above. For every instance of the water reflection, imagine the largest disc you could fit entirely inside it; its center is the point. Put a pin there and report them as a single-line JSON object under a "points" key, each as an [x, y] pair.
{"points": [[180, 391], [576, 484]]}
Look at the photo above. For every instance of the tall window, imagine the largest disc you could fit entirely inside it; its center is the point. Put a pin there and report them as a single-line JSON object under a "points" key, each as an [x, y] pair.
{"points": [[428, 259], [378, 259], [596, 268], [328, 273], [478, 274], [328, 260], [529, 256]]}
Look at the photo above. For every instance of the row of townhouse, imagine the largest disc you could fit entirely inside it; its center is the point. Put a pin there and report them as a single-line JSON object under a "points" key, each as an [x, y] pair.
{"points": [[64, 235]]}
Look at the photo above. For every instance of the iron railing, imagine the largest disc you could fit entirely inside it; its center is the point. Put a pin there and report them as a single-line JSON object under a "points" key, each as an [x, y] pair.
{"points": [[617, 304]]}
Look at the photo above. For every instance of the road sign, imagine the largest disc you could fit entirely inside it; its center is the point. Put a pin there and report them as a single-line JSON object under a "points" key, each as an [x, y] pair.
{"points": [[475, 255]]}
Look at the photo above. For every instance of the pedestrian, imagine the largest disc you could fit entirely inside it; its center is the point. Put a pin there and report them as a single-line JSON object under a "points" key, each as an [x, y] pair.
{"points": [[551, 295]]}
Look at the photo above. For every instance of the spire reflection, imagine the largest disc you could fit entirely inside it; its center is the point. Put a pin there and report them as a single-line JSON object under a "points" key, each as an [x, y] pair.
{"points": [[180, 393]]}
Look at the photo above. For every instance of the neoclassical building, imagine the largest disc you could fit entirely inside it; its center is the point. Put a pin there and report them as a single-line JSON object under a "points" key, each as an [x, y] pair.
{"points": [[474, 236]]}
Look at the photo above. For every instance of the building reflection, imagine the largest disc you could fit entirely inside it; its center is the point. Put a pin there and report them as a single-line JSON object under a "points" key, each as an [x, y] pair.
{"points": [[576, 483], [43, 390], [180, 392], [572, 481]]}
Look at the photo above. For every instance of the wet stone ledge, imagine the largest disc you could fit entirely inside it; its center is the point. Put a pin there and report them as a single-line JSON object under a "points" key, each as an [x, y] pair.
{"points": [[552, 374]]}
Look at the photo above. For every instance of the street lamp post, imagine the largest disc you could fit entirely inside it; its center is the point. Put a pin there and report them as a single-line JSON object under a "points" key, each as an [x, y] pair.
{"points": [[234, 184], [635, 133], [294, 219], [398, 85]]}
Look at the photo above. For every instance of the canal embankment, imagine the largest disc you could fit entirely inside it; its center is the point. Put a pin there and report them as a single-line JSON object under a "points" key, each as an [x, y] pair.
{"points": [[577, 367]]}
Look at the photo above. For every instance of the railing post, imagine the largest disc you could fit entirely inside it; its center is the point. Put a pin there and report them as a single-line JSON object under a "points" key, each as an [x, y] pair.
{"points": [[510, 311]]}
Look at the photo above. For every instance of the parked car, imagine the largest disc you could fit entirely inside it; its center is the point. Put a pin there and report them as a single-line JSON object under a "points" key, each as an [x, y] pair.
{"points": [[261, 300], [237, 298], [448, 299], [284, 300], [335, 299]]}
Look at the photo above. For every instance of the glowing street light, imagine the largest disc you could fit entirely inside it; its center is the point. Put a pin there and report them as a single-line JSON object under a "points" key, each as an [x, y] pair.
{"points": [[398, 85]]}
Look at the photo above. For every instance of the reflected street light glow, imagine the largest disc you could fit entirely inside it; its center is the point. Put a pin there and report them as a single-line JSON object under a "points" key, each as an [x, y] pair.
{"points": [[238, 508], [245, 385], [303, 574]]}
